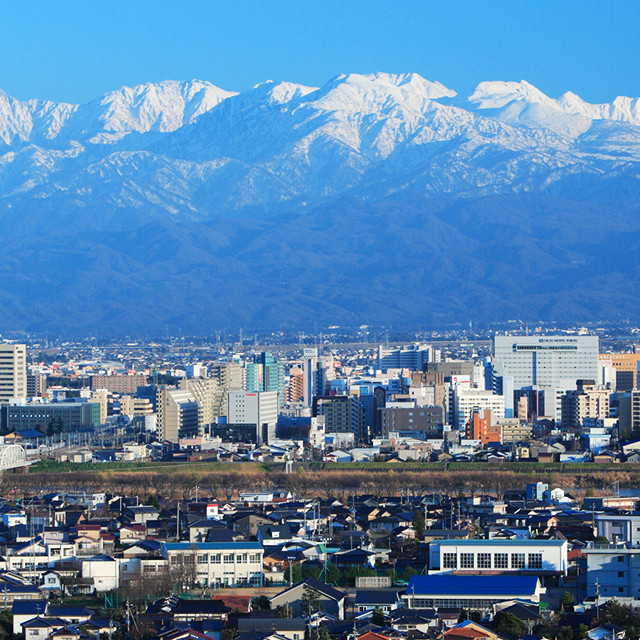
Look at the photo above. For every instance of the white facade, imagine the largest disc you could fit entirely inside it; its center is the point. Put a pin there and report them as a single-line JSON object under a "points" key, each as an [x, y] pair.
{"points": [[624, 528], [614, 573], [256, 407], [547, 360], [13, 372], [468, 400], [539, 557], [104, 571], [218, 564]]}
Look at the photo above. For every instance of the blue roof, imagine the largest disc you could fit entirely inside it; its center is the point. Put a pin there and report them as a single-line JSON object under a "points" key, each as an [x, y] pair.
{"points": [[500, 585], [31, 607]]}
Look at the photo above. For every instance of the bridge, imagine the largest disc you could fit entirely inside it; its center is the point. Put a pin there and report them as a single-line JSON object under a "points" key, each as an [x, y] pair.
{"points": [[12, 456]]}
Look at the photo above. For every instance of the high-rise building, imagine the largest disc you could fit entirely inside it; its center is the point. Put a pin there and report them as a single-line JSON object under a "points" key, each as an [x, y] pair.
{"points": [[259, 408], [13, 372], [178, 414], [266, 373], [481, 427], [412, 357], [36, 384], [467, 401], [204, 391], [295, 389], [547, 360], [342, 414], [551, 364], [625, 367], [587, 401]]}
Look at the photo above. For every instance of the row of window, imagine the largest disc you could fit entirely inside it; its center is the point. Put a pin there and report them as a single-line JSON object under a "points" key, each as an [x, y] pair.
{"points": [[452, 560], [221, 558]]}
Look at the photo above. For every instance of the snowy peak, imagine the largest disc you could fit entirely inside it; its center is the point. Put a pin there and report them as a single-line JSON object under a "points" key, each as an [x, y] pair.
{"points": [[496, 95]]}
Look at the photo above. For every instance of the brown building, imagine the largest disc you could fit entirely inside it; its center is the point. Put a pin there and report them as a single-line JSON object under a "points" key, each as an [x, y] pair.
{"points": [[119, 383], [295, 389], [480, 428], [626, 368]]}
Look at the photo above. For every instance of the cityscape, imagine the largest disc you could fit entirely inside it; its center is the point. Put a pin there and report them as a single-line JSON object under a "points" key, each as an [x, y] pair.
{"points": [[482, 484]]}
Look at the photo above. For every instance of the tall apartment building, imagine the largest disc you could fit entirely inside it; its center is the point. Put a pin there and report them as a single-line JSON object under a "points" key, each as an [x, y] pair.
{"points": [[481, 427], [13, 372], [178, 414], [587, 401], [259, 408], [342, 414], [295, 389], [629, 414], [205, 392], [411, 421], [36, 384]]}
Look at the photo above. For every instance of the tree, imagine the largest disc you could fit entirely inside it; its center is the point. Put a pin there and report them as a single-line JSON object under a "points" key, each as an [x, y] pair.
{"points": [[296, 574], [324, 634], [408, 573], [309, 600], [260, 603], [418, 523], [377, 617], [567, 601], [506, 623], [333, 574]]}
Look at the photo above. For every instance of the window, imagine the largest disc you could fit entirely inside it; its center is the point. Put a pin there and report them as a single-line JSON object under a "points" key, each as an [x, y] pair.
{"points": [[215, 558], [517, 560], [501, 560], [467, 561], [620, 558], [201, 559], [535, 561], [228, 558], [484, 561], [449, 561], [254, 557], [620, 574]]}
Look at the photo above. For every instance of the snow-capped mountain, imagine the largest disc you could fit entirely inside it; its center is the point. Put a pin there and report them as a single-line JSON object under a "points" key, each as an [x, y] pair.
{"points": [[246, 165]]}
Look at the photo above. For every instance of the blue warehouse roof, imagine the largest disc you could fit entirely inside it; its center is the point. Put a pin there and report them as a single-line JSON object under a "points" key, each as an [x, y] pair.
{"points": [[502, 585], [213, 546]]}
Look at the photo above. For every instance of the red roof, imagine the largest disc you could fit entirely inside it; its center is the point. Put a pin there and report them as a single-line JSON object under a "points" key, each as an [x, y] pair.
{"points": [[242, 603]]}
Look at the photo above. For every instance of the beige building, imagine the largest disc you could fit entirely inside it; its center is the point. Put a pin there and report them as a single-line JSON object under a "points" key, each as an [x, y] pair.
{"points": [[178, 414], [130, 406], [205, 391], [587, 401], [13, 372]]}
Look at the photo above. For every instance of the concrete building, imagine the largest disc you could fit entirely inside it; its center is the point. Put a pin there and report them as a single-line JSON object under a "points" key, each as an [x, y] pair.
{"points": [[258, 408], [36, 384], [614, 574], [587, 401], [119, 383], [625, 366], [342, 414], [629, 414], [13, 372], [548, 363], [466, 401], [204, 391], [217, 564], [532, 557], [427, 421], [178, 414], [130, 406], [480, 427], [266, 373], [619, 528], [295, 389], [412, 357], [64, 416]]}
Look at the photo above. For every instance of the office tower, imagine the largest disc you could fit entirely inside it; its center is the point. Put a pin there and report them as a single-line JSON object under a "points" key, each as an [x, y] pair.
{"points": [[624, 368], [259, 408], [13, 372], [266, 373], [412, 357], [547, 360], [318, 371], [342, 414], [551, 364], [178, 414]]}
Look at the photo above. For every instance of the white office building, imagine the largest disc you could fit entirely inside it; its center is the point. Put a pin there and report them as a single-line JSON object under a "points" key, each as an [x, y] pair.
{"points": [[257, 407], [13, 372]]}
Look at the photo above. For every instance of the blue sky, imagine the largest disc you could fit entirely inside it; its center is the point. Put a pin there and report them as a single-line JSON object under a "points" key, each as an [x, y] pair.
{"points": [[77, 50]]}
